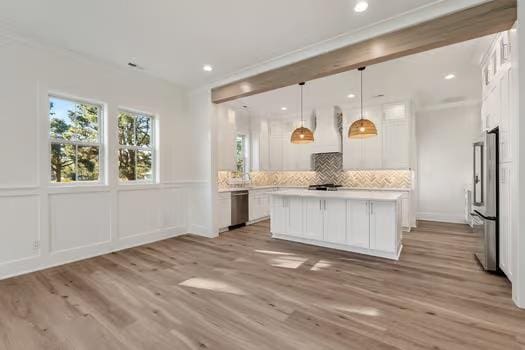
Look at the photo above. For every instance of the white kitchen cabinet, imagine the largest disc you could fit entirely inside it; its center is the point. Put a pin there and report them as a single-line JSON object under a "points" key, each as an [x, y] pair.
{"points": [[384, 230], [396, 145], [279, 214], [390, 149], [259, 204], [347, 221], [362, 153], [295, 216], [405, 212], [227, 131], [334, 221], [313, 218], [276, 153], [505, 128], [505, 239], [358, 223], [224, 205], [260, 145], [284, 155]]}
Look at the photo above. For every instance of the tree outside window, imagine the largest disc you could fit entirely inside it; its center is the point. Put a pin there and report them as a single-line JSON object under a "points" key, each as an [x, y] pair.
{"points": [[241, 155], [74, 133], [136, 152]]}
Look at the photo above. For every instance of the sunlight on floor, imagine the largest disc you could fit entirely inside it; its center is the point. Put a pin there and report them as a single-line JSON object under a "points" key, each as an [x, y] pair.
{"points": [[321, 264], [360, 310], [271, 252], [288, 262], [214, 285]]}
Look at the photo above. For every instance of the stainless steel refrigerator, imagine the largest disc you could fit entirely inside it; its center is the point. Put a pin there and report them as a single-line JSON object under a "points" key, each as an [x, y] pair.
{"points": [[485, 199]]}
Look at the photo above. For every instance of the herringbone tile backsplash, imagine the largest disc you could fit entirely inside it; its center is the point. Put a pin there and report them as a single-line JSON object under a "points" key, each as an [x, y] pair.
{"points": [[328, 169]]}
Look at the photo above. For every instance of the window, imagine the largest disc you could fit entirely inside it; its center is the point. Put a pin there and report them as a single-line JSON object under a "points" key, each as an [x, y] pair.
{"points": [[241, 154], [74, 134], [135, 134]]}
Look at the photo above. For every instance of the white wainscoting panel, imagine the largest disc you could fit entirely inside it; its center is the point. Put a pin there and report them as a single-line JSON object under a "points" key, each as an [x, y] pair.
{"points": [[174, 206], [19, 228], [79, 220], [139, 212]]}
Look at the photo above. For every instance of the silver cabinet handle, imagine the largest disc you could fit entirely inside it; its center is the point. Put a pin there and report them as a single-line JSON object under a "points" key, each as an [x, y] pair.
{"points": [[371, 208], [320, 204], [325, 205]]}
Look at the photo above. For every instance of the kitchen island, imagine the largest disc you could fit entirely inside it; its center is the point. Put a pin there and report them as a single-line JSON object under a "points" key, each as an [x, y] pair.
{"points": [[363, 222]]}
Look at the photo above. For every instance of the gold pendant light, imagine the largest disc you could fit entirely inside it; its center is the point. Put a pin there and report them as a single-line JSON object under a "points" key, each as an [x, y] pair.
{"points": [[302, 135], [362, 128]]}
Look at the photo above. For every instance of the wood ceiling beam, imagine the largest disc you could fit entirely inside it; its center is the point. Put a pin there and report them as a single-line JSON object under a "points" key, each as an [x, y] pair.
{"points": [[488, 18]]}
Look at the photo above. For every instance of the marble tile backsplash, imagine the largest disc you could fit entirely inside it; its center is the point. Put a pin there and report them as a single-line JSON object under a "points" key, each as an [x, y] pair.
{"points": [[357, 178], [328, 168]]}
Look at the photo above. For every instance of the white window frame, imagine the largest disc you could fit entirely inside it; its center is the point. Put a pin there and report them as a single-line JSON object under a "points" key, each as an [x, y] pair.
{"points": [[135, 148], [99, 144], [246, 152]]}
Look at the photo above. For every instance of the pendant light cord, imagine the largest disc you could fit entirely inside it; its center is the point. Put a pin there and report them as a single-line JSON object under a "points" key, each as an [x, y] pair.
{"points": [[302, 119], [362, 93]]}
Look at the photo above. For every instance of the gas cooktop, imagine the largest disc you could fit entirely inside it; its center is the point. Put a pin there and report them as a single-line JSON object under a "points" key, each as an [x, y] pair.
{"points": [[324, 187]]}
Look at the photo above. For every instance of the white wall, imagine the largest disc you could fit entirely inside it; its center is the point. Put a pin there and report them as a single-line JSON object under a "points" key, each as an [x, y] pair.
{"points": [[444, 142], [43, 225]]}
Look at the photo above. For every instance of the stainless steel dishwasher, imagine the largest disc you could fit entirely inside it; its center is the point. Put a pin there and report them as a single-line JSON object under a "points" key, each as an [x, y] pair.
{"points": [[240, 208]]}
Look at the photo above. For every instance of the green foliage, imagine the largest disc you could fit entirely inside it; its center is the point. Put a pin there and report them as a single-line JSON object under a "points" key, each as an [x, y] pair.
{"points": [[70, 162], [135, 163]]}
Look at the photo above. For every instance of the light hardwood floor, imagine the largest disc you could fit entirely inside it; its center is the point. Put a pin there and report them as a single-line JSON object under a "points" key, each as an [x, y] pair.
{"points": [[247, 291]]}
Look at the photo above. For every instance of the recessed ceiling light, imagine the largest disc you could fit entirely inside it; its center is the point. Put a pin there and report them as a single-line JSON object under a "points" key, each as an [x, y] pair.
{"points": [[207, 68], [351, 96], [361, 6], [284, 108], [450, 76]]}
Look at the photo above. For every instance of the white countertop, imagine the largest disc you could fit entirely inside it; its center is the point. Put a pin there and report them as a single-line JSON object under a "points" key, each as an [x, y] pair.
{"points": [[360, 195], [251, 188]]}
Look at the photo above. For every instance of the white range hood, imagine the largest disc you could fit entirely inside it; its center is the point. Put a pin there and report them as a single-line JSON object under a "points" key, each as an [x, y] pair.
{"points": [[327, 131]]}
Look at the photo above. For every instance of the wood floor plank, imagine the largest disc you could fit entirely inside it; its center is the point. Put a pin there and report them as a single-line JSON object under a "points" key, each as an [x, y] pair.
{"points": [[246, 291]]}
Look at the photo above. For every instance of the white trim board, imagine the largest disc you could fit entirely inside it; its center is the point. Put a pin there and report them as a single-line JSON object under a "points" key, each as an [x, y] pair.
{"points": [[442, 217], [38, 263]]}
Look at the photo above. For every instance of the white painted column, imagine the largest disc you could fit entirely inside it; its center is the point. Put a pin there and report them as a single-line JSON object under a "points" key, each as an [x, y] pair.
{"points": [[518, 286]]}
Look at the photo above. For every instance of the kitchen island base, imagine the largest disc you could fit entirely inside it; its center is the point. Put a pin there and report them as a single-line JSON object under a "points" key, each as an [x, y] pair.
{"points": [[342, 247], [366, 222]]}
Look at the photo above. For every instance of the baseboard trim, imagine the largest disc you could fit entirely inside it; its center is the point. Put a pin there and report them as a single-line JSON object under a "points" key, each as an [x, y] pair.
{"points": [[38, 263], [203, 231], [442, 217], [343, 247]]}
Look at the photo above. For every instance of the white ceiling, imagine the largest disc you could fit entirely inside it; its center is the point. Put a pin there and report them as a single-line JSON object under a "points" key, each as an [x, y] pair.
{"points": [[173, 39], [419, 77]]}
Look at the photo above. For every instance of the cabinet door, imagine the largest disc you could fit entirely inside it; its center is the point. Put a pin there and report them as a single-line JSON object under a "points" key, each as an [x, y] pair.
{"points": [[295, 216], [276, 153], [226, 140], [505, 127], [352, 148], [264, 147], [505, 239], [372, 147], [335, 221], [224, 212], [313, 218], [405, 212], [279, 216], [383, 226], [396, 145], [358, 223]]}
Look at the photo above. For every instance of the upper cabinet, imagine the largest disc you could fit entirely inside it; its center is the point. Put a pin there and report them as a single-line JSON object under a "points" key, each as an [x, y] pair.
{"points": [[226, 133], [496, 111], [390, 149]]}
